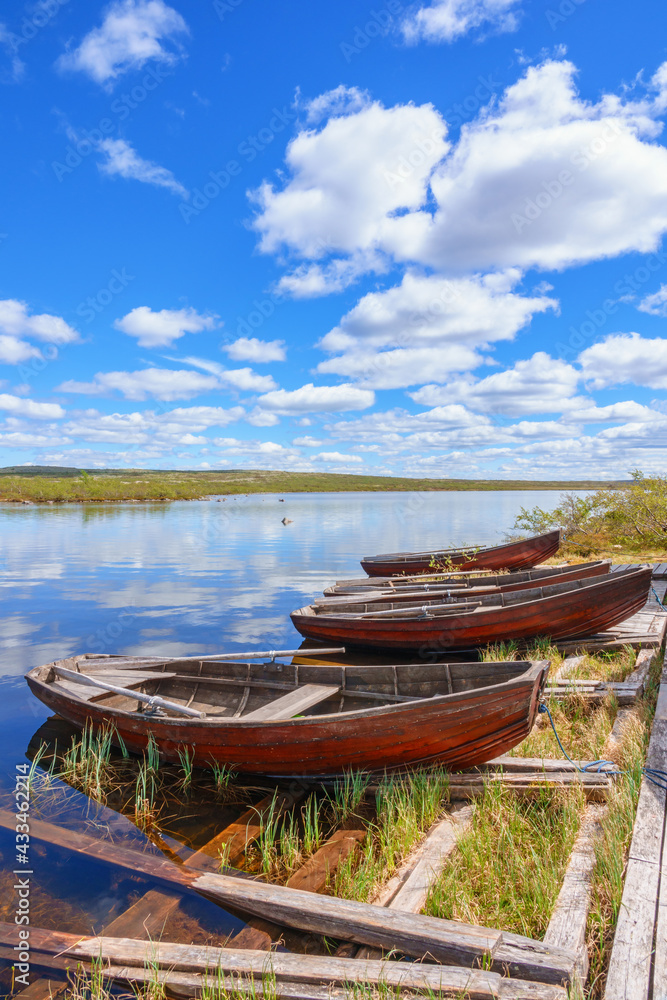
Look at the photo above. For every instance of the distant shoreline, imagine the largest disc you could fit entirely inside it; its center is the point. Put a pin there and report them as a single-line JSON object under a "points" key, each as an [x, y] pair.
{"points": [[49, 485]]}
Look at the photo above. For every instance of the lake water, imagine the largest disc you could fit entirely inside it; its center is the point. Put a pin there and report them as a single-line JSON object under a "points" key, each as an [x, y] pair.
{"points": [[178, 578]]}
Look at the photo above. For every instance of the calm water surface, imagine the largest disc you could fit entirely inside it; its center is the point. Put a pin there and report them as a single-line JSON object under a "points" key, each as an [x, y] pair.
{"points": [[185, 578]]}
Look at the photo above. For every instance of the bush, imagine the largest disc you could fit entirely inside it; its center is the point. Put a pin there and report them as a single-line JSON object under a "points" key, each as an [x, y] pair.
{"points": [[634, 516]]}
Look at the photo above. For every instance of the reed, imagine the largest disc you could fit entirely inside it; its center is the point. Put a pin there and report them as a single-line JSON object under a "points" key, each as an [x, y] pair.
{"points": [[145, 811], [500, 651], [266, 844], [38, 778], [291, 851], [347, 795], [405, 809], [312, 825], [86, 765], [222, 778], [186, 757], [507, 870], [152, 755]]}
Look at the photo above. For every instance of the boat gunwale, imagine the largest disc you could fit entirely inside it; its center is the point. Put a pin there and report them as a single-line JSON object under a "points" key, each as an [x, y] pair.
{"points": [[461, 611], [527, 677], [461, 551]]}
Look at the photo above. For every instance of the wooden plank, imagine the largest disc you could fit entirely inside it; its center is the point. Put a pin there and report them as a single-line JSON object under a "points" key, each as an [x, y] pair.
{"points": [[418, 936], [409, 892], [444, 940], [568, 665], [613, 744], [233, 841], [134, 961], [529, 785], [567, 927], [642, 668], [660, 957], [42, 989], [460, 818], [631, 957], [314, 874], [293, 703]]}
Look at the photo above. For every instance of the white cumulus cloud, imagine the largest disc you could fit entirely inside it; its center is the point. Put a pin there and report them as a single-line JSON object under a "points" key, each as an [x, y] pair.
{"points": [[258, 351], [336, 456], [626, 357], [317, 399], [348, 181], [132, 33], [540, 384], [30, 409], [542, 178], [447, 20], [161, 329]]}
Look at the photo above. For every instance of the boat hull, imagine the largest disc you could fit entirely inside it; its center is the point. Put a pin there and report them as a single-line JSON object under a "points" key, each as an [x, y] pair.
{"points": [[584, 608], [513, 555], [456, 730]]}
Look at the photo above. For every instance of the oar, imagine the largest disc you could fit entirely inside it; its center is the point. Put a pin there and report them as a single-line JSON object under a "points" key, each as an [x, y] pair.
{"points": [[272, 654], [151, 699]]}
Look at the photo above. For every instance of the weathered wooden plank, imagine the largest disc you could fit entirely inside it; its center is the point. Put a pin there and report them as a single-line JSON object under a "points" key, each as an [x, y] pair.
{"points": [[631, 958], [306, 969], [569, 664], [660, 957], [314, 874], [567, 927], [410, 888], [232, 842], [418, 936], [520, 764], [293, 703], [434, 849], [446, 941], [594, 786], [613, 744], [135, 960], [42, 989]]}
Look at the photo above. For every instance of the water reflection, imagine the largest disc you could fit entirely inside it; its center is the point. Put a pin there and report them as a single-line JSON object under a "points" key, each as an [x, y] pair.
{"points": [[208, 575]]}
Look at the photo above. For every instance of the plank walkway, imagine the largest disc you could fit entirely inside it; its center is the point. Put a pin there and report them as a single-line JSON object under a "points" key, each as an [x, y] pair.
{"points": [[638, 965], [644, 630]]}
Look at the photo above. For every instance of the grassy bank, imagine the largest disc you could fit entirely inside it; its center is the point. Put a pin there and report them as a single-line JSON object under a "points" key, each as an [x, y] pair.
{"points": [[43, 484]]}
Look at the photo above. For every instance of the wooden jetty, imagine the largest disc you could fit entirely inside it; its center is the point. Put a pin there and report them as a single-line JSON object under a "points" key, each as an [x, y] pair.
{"points": [[448, 958], [638, 965]]}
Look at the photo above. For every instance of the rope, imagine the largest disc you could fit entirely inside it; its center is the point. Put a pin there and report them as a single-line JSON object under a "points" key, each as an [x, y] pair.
{"points": [[662, 606], [652, 774]]}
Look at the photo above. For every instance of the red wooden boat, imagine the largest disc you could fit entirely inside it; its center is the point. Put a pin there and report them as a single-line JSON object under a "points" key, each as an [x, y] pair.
{"points": [[561, 610], [511, 555], [245, 714], [364, 584], [473, 586]]}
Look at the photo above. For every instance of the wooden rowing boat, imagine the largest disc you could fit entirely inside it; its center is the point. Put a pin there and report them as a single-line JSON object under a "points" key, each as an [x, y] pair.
{"points": [[511, 555], [472, 587], [279, 719], [562, 610], [363, 584]]}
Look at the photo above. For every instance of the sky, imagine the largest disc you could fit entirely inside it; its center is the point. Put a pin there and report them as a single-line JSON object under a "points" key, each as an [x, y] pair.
{"points": [[392, 239]]}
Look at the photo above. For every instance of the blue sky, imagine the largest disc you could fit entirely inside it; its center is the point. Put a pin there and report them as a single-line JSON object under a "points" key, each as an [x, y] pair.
{"points": [[398, 239]]}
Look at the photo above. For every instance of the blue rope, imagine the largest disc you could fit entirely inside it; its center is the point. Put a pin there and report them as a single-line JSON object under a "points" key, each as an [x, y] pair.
{"points": [[655, 776], [662, 606]]}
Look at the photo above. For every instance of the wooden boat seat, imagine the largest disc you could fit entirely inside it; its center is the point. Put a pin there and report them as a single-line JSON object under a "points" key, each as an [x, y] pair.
{"points": [[292, 704], [136, 679]]}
